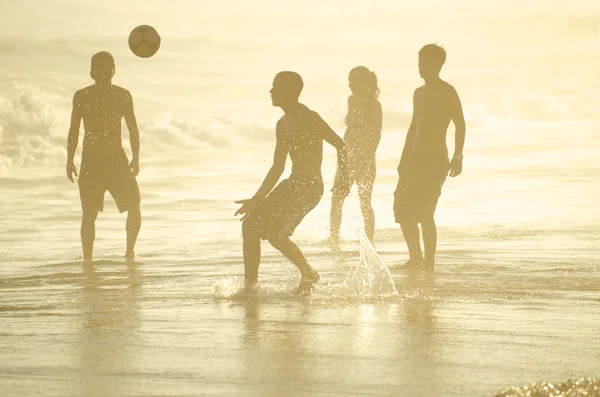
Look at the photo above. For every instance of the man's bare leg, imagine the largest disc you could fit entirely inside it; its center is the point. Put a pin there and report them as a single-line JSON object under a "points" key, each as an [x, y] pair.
{"points": [[429, 242], [251, 247], [335, 220], [291, 251], [410, 230], [88, 233], [134, 223]]}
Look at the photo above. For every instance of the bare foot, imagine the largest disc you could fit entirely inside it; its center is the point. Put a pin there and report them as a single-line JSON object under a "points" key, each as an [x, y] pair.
{"points": [[411, 264], [130, 257], [250, 289], [307, 282], [429, 266]]}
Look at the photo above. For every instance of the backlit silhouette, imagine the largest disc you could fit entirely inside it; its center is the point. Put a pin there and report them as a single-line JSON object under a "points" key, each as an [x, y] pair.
{"points": [[273, 214], [363, 134], [104, 164], [424, 164]]}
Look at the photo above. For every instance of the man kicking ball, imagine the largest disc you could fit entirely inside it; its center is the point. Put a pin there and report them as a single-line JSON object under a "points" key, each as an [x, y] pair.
{"points": [[274, 214]]}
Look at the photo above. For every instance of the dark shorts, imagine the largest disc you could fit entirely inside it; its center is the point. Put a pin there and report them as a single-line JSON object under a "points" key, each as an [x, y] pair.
{"points": [[280, 213], [112, 173], [420, 186]]}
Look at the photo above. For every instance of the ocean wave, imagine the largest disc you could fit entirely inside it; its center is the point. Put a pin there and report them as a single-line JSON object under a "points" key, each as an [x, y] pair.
{"points": [[34, 127], [34, 123]]}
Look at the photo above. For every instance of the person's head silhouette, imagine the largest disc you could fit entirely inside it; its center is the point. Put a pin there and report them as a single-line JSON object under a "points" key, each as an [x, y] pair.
{"points": [[103, 67], [286, 90], [431, 59], [363, 82]]}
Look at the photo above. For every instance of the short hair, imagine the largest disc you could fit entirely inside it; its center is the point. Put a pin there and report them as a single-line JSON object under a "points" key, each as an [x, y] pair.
{"points": [[434, 53], [103, 58], [292, 81]]}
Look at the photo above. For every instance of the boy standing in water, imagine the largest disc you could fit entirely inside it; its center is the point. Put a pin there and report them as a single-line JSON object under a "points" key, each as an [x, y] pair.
{"points": [[104, 164], [274, 214], [424, 164]]}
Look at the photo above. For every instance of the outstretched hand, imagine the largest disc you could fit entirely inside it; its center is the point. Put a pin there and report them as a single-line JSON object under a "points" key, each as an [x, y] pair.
{"points": [[71, 169], [455, 167], [248, 206]]}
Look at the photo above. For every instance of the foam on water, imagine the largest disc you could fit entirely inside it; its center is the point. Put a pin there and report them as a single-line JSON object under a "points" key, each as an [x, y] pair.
{"points": [[582, 387]]}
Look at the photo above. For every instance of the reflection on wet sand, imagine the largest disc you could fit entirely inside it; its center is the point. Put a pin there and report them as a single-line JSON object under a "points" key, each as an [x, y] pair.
{"points": [[110, 323]]}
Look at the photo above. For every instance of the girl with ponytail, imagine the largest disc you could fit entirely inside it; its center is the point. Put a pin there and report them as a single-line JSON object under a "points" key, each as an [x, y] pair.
{"points": [[363, 133]]}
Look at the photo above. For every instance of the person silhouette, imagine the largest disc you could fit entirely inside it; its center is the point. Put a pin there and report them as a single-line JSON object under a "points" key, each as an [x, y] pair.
{"points": [[424, 164], [104, 164], [363, 133], [274, 213]]}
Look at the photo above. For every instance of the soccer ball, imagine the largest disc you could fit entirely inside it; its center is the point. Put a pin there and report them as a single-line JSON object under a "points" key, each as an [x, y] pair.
{"points": [[144, 41]]}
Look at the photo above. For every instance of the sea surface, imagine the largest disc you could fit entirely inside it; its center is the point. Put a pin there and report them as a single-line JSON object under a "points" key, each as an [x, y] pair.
{"points": [[513, 308]]}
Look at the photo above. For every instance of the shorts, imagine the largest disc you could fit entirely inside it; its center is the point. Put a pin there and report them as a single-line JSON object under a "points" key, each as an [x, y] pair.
{"points": [[420, 186], [109, 172], [280, 213]]}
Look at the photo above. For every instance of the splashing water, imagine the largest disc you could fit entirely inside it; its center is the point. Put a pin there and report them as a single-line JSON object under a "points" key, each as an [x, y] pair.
{"points": [[589, 387], [370, 278]]}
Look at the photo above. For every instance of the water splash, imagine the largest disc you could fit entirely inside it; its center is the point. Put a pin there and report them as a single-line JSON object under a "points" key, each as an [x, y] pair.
{"points": [[589, 387], [369, 279]]}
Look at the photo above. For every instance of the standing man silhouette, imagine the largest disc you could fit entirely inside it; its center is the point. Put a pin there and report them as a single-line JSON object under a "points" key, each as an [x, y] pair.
{"points": [[274, 214], [104, 164], [424, 164]]}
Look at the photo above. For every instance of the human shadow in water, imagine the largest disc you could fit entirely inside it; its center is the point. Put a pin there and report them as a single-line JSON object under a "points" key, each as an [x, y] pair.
{"points": [[110, 323]]}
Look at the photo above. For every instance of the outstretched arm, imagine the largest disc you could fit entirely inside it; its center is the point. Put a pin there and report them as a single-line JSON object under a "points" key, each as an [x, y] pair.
{"points": [[134, 133], [275, 172], [73, 138], [458, 118]]}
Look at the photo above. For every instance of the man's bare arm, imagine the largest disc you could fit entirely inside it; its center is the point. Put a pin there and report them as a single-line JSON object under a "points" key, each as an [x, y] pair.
{"points": [[134, 132], [279, 159], [410, 136], [458, 118], [329, 135], [73, 138]]}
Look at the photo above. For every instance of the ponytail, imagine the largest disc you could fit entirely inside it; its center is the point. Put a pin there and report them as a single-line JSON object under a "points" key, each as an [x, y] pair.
{"points": [[373, 87], [368, 80]]}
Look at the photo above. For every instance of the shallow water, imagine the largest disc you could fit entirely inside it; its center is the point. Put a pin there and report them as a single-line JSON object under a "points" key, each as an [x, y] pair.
{"points": [[511, 310]]}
